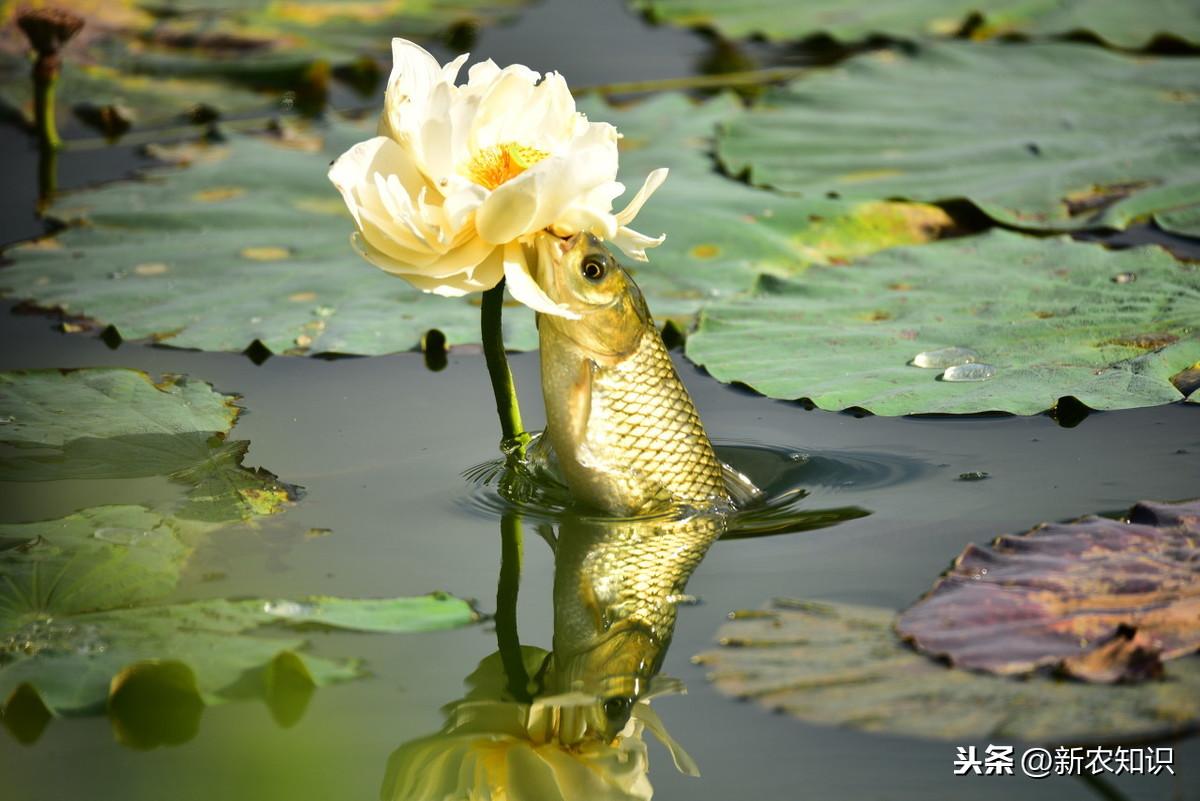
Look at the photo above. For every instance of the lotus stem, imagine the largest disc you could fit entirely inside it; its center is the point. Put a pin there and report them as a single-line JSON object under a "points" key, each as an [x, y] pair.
{"points": [[514, 437], [47, 30], [511, 553]]}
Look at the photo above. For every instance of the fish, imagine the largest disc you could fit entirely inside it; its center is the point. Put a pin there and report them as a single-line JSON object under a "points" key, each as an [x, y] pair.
{"points": [[623, 429], [624, 436]]}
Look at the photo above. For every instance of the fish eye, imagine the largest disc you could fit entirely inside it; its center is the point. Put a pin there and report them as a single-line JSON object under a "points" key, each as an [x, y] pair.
{"points": [[593, 268], [617, 709]]}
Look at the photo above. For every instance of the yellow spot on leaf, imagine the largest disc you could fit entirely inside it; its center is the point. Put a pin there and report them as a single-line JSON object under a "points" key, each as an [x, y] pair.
{"points": [[320, 205], [493, 166], [876, 316], [217, 194], [1180, 96], [868, 175], [303, 341], [41, 244], [266, 253], [302, 297], [705, 251], [151, 268]]}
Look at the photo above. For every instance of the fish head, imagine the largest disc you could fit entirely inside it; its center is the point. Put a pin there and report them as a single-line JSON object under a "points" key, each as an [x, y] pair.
{"points": [[616, 669], [581, 274]]}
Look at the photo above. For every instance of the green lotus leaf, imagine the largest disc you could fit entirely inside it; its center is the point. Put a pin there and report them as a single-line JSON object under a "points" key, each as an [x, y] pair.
{"points": [[1052, 317], [252, 244], [720, 233], [80, 603], [161, 59], [1127, 25], [205, 258], [111, 423], [843, 665], [1012, 129]]}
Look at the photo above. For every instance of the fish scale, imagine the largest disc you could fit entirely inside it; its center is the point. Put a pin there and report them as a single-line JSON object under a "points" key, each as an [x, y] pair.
{"points": [[642, 418]]}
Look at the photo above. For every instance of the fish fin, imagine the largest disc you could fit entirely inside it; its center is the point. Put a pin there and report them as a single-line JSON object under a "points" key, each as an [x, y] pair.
{"points": [[580, 402], [742, 491]]}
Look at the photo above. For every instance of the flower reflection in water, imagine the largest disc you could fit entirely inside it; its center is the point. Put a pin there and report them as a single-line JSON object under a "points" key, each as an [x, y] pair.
{"points": [[616, 586]]}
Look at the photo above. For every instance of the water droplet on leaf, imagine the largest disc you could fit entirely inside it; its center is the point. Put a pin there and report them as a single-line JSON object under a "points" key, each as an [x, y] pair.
{"points": [[121, 536], [944, 357], [969, 372]]}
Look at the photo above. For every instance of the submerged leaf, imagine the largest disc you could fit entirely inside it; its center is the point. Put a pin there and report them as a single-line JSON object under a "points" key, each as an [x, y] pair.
{"points": [[1049, 316], [843, 665], [1032, 150], [1127, 25], [1101, 600]]}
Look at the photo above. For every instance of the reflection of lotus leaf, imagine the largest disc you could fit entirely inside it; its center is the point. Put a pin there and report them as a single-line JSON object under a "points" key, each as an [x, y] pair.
{"points": [[1033, 150], [493, 747], [1052, 316], [1123, 24], [843, 665], [1102, 600]]}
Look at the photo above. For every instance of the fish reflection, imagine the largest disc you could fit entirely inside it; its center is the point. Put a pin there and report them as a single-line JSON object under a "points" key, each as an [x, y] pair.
{"points": [[579, 736], [617, 584]]}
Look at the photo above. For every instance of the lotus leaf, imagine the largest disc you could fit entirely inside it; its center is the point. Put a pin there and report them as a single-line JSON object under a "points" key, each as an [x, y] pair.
{"points": [[721, 233], [844, 665], [1015, 130], [1052, 317], [252, 244], [144, 55], [81, 605], [1098, 599], [1128, 25], [117, 424], [201, 257]]}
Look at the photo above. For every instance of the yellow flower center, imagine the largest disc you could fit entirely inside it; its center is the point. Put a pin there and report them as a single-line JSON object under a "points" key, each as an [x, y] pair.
{"points": [[494, 165]]}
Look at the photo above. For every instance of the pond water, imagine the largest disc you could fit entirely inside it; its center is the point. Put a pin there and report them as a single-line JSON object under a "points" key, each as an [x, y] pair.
{"points": [[379, 446]]}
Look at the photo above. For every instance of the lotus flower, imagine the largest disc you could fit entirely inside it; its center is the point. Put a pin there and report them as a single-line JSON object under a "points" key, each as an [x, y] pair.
{"points": [[462, 181]]}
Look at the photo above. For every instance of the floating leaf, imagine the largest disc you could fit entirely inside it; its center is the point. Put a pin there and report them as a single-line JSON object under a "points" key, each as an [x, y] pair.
{"points": [[1101, 600], [1128, 25], [721, 233], [201, 257], [1049, 315], [106, 423], [165, 60], [1031, 150], [265, 259], [843, 665], [71, 619]]}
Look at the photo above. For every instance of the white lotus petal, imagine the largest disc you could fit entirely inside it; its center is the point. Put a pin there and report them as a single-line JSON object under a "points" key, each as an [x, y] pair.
{"points": [[653, 181], [522, 286], [634, 244]]}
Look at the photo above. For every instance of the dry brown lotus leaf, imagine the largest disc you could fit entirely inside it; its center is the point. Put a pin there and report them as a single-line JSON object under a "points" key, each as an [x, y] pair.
{"points": [[1097, 599]]}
